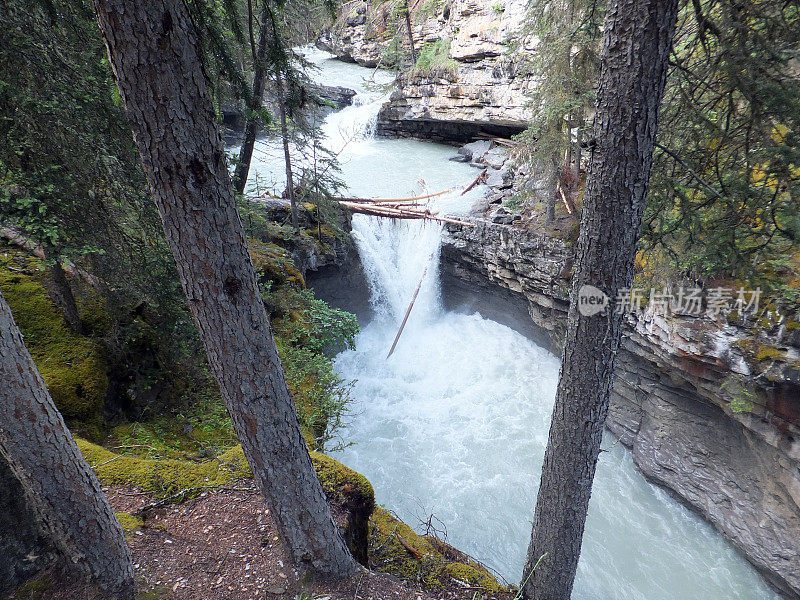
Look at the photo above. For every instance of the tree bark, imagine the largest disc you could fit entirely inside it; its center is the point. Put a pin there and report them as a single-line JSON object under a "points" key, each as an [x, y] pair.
{"points": [[251, 125], [63, 296], [25, 549], [287, 156], [638, 36], [156, 57], [61, 487], [410, 36]]}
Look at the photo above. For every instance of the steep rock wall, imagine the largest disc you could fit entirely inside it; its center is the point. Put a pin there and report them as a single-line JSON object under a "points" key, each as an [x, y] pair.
{"points": [[476, 85], [672, 405]]}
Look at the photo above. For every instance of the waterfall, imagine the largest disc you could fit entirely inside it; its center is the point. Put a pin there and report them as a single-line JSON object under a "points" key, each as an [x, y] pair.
{"points": [[455, 423]]}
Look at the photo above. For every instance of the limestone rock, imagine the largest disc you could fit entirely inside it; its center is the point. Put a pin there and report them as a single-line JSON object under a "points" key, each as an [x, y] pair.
{"points": [[672, 402]]}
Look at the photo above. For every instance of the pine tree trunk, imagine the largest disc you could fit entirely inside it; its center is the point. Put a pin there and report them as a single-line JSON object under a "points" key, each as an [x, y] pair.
{"points": [[61, 487], [25, 549], [155, 53], [287, 156], [638, 36], [410, 36], [63, 296], [251, 125]]}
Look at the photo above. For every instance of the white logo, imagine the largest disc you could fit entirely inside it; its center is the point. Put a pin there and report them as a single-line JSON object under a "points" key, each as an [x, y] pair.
{"points": [[591, 301]]}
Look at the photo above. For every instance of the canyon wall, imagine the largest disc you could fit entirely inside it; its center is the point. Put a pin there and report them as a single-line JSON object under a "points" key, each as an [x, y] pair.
{"points": [[473, 81], [729, 452]]}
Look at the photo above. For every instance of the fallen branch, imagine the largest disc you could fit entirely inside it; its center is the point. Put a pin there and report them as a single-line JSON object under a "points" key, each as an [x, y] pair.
{"points": [[408, 312], [409, 547], [567, 201], [373, 200], [405, 212], [474, 183]]}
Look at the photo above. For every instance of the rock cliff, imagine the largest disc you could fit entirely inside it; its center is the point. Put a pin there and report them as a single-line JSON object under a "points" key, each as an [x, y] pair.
{"points": [[467, 83], [729, 451]]}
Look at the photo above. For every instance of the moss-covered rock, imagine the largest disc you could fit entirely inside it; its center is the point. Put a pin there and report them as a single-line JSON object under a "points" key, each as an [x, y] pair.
{"points": [[163, 478], [72, 365], [397, 549], [352, 498], [273, 263]]}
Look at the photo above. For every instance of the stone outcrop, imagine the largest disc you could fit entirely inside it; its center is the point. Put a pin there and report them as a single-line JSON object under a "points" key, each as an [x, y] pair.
{"points": [[710, 409], [471, 83]]}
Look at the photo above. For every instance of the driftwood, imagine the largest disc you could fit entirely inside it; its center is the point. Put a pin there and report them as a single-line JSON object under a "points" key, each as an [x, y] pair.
{"points": [[409, 199], [408, 312], [567, 201], [476, 182], [400, 212]]}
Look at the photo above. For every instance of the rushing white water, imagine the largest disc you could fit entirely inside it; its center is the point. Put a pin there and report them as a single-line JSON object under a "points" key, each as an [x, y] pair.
{"points": [[455, 422]]}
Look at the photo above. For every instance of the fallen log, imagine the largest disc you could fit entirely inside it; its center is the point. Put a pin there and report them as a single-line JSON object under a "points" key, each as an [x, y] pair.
{"points": [[406, 212], [410, 198], [474, 183], [408, 312]]}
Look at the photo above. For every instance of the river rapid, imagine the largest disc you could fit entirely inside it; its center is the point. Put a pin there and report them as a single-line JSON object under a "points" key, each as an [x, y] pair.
{"points": [[455, 423]]}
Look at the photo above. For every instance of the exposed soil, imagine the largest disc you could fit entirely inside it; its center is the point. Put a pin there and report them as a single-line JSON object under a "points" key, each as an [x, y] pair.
{"points": [[221, 545]]}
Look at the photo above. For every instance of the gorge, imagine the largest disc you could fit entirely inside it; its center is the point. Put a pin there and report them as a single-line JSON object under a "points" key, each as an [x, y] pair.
{"points": [[453, 425]]}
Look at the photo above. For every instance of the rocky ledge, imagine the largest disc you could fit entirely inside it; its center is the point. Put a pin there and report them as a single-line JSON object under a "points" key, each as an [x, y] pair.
{"points": [[470, 83], [711, 409]]}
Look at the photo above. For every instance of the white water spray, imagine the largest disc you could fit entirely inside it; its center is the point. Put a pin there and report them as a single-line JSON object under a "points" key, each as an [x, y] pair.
{"points": [[456, 422]]}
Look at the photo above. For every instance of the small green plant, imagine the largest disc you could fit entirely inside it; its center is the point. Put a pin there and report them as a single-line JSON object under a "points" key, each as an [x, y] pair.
{"points": [[435, 57], [498, 8], [518, 595], [742, 397]]}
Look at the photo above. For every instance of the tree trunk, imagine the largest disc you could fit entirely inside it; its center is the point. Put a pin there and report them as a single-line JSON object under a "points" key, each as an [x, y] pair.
{"points": [[577, 151], [410, 36], [62, 489], [287, 156], [634, 65], [251, 125], [25, 550], [156, 57], [63, 296], [552, 189]]}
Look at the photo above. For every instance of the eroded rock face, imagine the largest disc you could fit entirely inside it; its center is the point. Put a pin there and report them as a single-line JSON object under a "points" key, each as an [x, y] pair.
{"points": [[481, 86], [673, 402]]}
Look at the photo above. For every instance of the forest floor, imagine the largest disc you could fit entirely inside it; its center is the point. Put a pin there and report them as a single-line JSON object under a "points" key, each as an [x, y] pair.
{"points": [[222, 545]]}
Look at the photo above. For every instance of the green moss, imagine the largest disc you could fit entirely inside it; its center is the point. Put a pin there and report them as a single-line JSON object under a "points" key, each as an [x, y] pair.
{"points": [[129, 522], [473, 576], [72, 365], [767, 352], [437, 564], [163, 478], [352, 493], [274, 263], [339, 479], [35, 588]]}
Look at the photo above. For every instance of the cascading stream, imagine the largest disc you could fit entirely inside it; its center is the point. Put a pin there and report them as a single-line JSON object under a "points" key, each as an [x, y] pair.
{"points": [[455, 423]]}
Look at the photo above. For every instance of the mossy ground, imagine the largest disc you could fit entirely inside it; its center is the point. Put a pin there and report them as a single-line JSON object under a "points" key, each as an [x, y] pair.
{"points": [[72, 365], [435, 566]]}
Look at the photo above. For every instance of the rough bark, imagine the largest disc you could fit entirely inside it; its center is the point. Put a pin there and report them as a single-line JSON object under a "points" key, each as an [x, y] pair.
{"points": [[251, 125], [61, 488], [638, 36], [410, 35], [287, 156], [155, 54], [24, 548], [63, 296]]}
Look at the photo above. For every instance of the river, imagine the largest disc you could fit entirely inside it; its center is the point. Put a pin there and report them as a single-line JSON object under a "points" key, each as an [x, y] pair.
{"points": [[455, 423]]}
